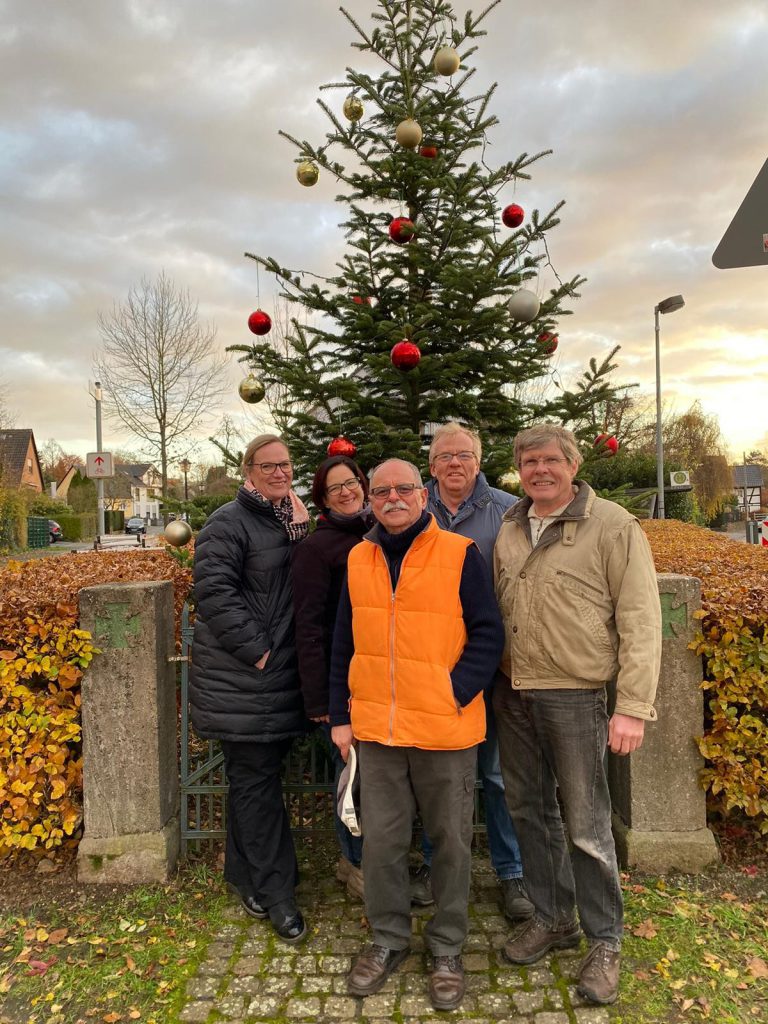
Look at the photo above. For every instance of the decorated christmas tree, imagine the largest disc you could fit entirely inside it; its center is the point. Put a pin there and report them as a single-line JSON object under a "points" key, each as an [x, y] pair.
{"points": [[433, 312]]}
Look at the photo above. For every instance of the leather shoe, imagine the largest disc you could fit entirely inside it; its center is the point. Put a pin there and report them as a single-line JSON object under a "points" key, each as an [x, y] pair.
{"points": [[287, 921], [533, 940], [514, 900], [372, 968], [599, 975], [446, 982], [421, 887], [249, 903]]}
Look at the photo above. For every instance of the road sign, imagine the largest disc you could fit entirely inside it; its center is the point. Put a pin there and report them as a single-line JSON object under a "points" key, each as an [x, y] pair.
{"points": [[745, 243], [98, 465]]}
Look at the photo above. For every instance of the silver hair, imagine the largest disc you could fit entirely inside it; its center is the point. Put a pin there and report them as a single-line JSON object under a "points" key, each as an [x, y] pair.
{"points": [[544, 433], [452, 427], [414, 469]]}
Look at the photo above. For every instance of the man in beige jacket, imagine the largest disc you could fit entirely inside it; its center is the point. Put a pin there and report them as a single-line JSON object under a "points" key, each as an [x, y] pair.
{"points": [[577, 590]]}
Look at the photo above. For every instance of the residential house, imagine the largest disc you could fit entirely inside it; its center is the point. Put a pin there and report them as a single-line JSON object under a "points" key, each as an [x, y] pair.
{"points": [[749, 486], [143, 486], [20, 467]]}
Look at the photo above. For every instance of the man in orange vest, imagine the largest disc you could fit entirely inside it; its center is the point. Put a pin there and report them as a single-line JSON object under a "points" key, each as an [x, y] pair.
{"points": [[418, 637]]}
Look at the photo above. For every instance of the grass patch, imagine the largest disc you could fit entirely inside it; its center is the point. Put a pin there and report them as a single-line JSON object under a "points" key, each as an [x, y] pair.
{"points": [[113, 958], [694, 950]]}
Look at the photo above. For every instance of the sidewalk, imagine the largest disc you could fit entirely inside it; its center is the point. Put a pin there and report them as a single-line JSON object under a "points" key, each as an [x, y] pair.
{"points": [[250, 976]]}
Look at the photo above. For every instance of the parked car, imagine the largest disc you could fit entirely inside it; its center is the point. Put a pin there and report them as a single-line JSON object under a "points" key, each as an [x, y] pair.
{"points": [[135, 525], [54, 530]]}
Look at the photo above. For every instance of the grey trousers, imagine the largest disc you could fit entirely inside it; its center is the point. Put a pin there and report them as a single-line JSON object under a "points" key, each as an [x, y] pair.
{"points": [[395, 782]]}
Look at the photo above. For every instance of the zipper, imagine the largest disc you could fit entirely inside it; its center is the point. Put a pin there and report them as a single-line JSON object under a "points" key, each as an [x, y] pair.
{"points": [[577, 579], [392, 641]]}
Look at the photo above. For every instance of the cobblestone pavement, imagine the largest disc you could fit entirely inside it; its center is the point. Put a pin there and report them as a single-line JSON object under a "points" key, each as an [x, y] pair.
{"points": [[249, 976]]}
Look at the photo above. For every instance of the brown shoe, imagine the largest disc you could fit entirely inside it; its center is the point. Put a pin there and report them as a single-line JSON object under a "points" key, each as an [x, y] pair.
{"points": [[372, 968], [446, 982], [355, 883], [599, 975], [534, 939]]}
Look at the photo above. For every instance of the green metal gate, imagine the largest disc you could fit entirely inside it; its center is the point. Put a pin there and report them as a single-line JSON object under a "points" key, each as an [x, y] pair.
{"points": [[307, 776]]}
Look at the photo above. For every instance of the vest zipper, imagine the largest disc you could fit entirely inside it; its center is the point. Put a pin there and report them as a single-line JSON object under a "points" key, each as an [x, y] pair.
{"points": [[392, 642]]}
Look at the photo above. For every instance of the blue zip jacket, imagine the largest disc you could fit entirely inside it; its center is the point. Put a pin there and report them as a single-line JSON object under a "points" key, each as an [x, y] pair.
{"points": [[479, 517]]}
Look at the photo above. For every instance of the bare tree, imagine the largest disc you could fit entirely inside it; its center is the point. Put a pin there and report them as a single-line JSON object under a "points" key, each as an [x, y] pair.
{"points": [[160, 371], [7, 416]]}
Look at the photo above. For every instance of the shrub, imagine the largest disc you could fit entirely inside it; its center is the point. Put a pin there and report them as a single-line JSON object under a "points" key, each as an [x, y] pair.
{"points": [[733, 644], [42, 657], [13, 520]]}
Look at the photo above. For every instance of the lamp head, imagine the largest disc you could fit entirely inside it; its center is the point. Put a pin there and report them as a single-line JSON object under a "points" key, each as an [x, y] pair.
{"points": [[671, 305]]}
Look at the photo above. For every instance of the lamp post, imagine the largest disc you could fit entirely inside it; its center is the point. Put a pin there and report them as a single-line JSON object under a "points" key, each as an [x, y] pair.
{"points": [[184, 466], [670, 305]]}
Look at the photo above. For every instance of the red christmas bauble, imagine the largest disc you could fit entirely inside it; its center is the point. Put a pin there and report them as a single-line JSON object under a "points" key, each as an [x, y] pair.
{"points": [[401, 230], [513, 215], [548, 342], [405, 355], [259, 322], [607, 442], [428, 152], [361, 300], [341, 446]]}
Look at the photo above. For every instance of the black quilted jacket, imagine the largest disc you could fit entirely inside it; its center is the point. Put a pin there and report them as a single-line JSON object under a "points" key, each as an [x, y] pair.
{"points": [[244, 608]]}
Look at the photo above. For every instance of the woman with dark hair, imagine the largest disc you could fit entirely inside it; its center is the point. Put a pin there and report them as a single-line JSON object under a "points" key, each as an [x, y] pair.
{"points": [[340, 492], [245, 685]]}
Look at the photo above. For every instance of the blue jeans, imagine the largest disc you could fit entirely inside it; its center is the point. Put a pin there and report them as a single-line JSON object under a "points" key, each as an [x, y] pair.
{"points": [[502, 839], [351, 846], [550, 740]]}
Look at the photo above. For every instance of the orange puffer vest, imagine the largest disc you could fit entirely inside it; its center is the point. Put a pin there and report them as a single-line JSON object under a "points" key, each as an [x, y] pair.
{"points": [[406, 644]]}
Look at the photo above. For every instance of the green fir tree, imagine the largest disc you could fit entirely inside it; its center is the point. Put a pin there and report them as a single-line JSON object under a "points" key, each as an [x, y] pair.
{"points": [[446, 290]]}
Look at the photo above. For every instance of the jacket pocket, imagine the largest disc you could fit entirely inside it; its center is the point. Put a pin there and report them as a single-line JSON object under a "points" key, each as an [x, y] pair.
{"points": [[572, 635]]}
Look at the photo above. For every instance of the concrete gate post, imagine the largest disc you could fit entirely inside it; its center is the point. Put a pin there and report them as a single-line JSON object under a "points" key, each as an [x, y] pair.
{"points": [[130, 774], [659, 821]]}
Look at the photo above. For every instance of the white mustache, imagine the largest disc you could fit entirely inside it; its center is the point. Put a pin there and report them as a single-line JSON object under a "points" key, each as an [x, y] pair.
{"points": [[395, 506]]}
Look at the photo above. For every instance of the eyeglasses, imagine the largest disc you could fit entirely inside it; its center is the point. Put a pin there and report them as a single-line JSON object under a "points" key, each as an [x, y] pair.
{"points": [[351, 485], [549, 463], [445, 457], [269, 467], [402, 489]]}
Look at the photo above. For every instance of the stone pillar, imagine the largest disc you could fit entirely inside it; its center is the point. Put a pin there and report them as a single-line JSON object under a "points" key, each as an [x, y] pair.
{"points": [[130, 773], [660, 822]]}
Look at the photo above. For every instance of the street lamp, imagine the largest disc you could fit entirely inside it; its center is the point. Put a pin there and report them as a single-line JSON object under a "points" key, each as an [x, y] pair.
{"points": [[184, 466], [670, 305]]}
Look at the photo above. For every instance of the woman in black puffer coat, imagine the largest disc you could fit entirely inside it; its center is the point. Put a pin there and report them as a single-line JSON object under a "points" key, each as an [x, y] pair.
{"points": [[244, 688]]}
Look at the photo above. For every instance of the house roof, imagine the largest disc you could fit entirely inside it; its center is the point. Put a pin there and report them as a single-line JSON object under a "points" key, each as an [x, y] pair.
{"points": [[14, 446], [754, 476]]}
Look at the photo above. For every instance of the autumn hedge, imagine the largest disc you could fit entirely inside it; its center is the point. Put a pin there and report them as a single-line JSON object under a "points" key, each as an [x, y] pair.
{"points": [[732, 642], [43, 654]]}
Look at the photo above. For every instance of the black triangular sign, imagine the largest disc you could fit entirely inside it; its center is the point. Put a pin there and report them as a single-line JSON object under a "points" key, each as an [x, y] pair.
{"points": [[745, 243]]}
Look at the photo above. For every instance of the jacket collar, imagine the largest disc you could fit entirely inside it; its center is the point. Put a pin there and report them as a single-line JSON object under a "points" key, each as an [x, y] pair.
{"points": [[480, 496], [425, 527], [579, 508]]}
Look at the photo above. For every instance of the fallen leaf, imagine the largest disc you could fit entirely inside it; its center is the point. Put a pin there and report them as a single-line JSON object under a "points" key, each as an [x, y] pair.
{"points": [[57, 935], [686, 1005], [757, 967], [112, 1018], [39, 967], [731, 897], [645, 930]]}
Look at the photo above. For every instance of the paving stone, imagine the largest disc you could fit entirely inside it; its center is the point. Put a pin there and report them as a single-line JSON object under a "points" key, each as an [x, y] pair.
{"points": [[196, 1013], [231, 1005], [248, 965], [339, 1008], [486, 909], [381, 1005], [203, 988], [592, 1015], [339, 984], [282, 965], [229, 931], [527, 1002], [220, 949], [213, 968], [494, 1003], [309, 1008], [475, 962], [334, 964], [540, 976], [316, 984], [281, 986], [551, 1018], [248, 985], [306, 965], [265, 1006], [575, 998]]}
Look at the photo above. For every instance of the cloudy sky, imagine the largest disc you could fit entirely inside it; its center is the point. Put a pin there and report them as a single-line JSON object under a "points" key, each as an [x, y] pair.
{"points": [[140, 135]]}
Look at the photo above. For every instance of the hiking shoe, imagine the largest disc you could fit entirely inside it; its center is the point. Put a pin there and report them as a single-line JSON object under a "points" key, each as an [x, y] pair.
{"points": [[446, 982], [514, 900], [421, 887], [372, 968], [599, 975], [534, 939], [352, 877]]}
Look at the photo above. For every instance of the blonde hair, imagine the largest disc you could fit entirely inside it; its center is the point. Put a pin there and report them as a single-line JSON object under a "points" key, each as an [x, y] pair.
{"points": [[450, 429], [545, 433], [253, 447]]}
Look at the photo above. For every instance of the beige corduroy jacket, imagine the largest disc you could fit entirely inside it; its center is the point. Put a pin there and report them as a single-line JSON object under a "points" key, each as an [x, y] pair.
{"points": [[582, 607]]}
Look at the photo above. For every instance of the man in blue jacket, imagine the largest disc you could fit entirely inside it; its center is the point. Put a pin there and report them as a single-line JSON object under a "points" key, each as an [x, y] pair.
{"points": [[462, 502]]}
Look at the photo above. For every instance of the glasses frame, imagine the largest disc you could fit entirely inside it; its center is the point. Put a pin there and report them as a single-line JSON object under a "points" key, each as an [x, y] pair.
{"points": [[549, 462], [463, 456], [348, 485], [403, 491], [262, 466]]}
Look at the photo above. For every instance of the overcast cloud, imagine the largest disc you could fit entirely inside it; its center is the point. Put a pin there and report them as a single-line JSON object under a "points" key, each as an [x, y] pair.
{"points": [[137, 135]]}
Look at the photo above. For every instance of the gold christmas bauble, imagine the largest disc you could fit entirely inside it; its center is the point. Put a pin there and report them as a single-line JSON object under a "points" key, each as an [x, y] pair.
{"points": [[353, 108], [307, 172], [178, 533], [408, 133], [251, 389], [447, 61]]}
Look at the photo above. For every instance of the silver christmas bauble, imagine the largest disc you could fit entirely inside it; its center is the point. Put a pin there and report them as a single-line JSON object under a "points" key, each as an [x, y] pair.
{"points": [[178, 533], [524, 305]]}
